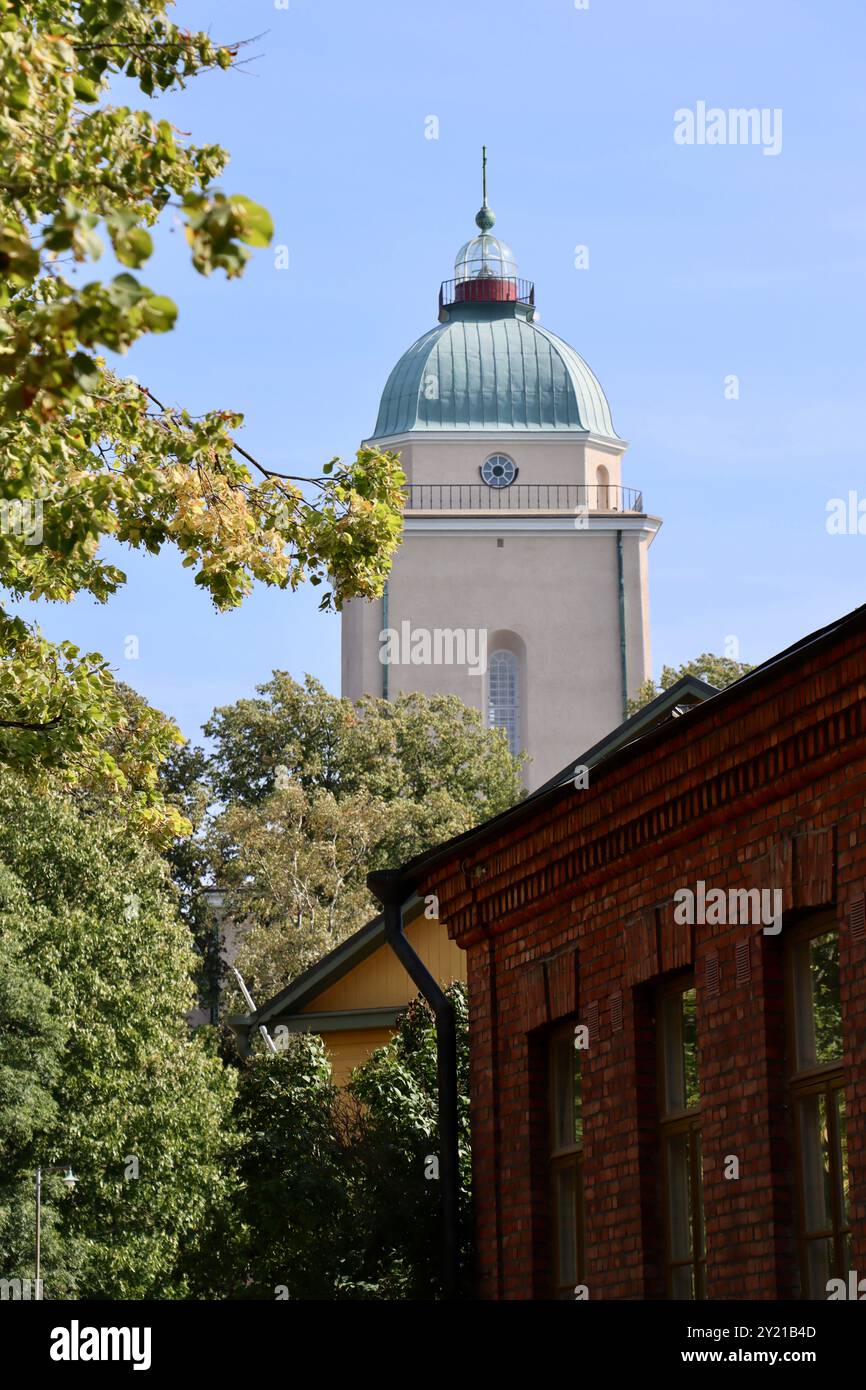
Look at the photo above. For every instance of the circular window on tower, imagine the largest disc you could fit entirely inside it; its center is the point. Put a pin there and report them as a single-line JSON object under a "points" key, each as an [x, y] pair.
{"points": [[498, 471]]}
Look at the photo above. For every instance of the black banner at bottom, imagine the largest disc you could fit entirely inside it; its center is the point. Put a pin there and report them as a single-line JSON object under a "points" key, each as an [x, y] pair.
{"points": [[252, 1339]]}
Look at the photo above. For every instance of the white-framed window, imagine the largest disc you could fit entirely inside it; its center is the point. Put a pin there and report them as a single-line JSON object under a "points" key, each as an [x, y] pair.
{"points": [[498, 471], [503, 696]]}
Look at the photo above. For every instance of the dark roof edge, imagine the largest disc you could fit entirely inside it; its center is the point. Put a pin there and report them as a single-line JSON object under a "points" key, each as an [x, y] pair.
{"points": [[410, 875], [328, 1021], [690, 688], [322, 973]]}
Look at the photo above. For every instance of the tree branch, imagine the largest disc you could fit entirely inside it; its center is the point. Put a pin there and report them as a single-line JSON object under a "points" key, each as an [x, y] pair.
{"points": [[266, 472], [182, 41], [36, 725]]}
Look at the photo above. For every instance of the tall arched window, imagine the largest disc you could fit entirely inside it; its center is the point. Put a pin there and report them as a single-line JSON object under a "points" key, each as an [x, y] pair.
{"points": [[503, 703]]}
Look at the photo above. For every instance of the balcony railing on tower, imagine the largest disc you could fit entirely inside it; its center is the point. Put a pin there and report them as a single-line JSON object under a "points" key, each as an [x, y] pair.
{"points": [[486, 290], [522, 497]]}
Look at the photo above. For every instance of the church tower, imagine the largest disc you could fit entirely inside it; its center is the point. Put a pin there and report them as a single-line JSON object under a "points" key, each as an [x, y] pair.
{"points": [[521, 583]]}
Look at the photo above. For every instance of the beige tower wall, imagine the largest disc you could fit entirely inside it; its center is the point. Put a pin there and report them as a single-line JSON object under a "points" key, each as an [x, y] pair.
{"points": [[552, 586]]}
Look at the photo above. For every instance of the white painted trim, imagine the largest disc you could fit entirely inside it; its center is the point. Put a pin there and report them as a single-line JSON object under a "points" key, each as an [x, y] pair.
{"points": [[525, 525], [598, 441]]}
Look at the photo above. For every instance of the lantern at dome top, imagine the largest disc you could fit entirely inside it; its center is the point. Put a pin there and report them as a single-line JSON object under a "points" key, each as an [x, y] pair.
{"points": [[485, 268]]}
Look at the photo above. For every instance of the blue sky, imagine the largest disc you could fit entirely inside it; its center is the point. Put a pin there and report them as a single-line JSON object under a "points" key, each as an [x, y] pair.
{"points": [[704, 261]]}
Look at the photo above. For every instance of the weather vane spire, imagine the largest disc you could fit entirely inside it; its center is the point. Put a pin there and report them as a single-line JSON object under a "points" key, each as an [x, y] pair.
{"points": [[485, 217]]}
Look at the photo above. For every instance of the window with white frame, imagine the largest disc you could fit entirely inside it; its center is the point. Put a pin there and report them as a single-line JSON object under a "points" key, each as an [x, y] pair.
{"points": [[503, 704]]}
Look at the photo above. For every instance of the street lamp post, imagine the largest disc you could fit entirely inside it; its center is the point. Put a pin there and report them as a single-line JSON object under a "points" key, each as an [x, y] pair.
{"points": [[69, 1179]]}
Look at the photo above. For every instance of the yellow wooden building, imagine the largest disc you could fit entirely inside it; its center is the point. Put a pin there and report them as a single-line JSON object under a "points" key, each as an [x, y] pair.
{"points": [[353, 996]]}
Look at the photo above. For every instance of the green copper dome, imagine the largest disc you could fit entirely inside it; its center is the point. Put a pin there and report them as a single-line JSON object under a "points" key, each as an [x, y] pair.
{"points": [[490, 367]]}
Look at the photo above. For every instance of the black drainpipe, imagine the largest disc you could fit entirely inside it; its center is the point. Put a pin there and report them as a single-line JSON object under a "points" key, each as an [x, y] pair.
{"points": [[623, 660], [386, 885]]}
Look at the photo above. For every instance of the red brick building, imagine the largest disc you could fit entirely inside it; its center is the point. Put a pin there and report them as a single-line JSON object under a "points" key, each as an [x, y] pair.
{"points": [[663, 1109]]}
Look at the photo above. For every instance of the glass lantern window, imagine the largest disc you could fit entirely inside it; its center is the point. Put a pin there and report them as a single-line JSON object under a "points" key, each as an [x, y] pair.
{"points": [[485, 258]]}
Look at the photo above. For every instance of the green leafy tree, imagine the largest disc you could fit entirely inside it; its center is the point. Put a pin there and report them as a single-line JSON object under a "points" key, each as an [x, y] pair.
{"points": [[184, 782], [291, 1220], [293, 869], [719, 671], [90, 456], [337, 1197], [318, 790], [395, 1190], [32, 1038], [134, 1102], [404, 749]]}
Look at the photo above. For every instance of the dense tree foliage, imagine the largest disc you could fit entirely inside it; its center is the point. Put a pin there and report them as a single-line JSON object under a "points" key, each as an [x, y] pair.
{"points": [[89, 455], [32, 1037], [293, 872], [185, 784], [337, 1196], [401, 750], [111, 1079], [398, 1197], [318, 791]]}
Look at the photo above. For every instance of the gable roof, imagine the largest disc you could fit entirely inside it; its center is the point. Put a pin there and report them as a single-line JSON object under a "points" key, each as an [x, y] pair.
{"points": [[318, 977], [625, 742], [677, 699], [687, 694]]}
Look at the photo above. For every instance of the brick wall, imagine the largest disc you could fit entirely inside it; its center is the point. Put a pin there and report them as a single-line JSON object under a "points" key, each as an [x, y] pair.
{"points": [[569, 914]]}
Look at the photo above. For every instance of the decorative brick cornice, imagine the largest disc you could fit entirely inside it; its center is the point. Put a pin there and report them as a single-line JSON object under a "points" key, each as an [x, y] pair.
{"points": [[771, 770]]}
